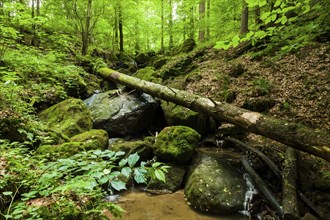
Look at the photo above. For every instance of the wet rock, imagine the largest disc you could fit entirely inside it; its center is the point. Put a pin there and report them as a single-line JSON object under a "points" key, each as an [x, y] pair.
{"points": [[214, 185], [69, 117], [122, 113], [174, 179], [188, 45], [176, 144], [90, 140], [178, 115]]}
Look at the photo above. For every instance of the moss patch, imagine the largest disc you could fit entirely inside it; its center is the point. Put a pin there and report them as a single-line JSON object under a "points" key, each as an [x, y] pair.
{"points": [[148, 74], [90, 140], [69, 117], [176, 144]]}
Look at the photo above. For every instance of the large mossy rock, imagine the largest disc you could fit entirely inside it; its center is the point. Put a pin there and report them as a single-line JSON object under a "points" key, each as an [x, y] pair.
{"points": [[176, 144], [89, 140], [69, 117], [214, 185], [122, 113], [178, 115], [188, 45]]}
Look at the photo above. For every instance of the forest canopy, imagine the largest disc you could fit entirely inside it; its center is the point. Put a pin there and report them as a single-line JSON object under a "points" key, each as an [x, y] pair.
{"points": [[159, 25]]}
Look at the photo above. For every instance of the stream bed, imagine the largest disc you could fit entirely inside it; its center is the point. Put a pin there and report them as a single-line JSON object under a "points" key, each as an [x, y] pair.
{"points": [[143, 206]]}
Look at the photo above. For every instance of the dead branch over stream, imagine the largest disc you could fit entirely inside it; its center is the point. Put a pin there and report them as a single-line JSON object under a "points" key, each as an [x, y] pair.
{"points": [[300, 137]]}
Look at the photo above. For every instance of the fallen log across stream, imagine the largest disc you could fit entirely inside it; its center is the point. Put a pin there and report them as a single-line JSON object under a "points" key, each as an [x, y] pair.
{"points": [[295, 135]]}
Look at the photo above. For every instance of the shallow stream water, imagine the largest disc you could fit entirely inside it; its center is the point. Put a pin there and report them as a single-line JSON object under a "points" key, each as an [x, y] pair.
{"points": [[143, 206]]}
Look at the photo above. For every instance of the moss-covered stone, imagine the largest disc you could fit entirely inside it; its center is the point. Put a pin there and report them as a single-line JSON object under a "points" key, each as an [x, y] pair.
{"points": [[176, 144], [214, 185], [69, 117], [98, 137], [142, 147], [148, 74], [178, 115], [90, 140], [188, 45], [160, 62], [174, 179]]}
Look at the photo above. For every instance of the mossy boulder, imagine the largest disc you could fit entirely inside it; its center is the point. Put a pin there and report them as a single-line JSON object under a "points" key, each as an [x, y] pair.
{"points": [[188, 45], [215, 185], [142, 147], [69, 117], [148, 74], [176, 144], [174, 179], [160, 62], [178, 115], [142, 59], [90, 140]]}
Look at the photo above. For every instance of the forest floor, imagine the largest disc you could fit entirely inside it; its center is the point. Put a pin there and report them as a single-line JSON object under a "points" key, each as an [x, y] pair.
{"points": [[294, 87]]}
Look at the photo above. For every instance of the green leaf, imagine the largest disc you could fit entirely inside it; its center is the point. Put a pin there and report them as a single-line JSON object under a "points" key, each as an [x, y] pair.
{"points": [[156, 165], [126, 171], [133, 159], [106, 171], [8, 193], [160, 175], [277, 3], [139, 175], [262, 3], [236, 41], [122, 162], [118, 185]]}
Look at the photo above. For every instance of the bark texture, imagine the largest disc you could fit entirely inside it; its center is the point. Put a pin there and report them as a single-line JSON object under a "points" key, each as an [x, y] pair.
{"points": [[290, 200], [300, 137]]}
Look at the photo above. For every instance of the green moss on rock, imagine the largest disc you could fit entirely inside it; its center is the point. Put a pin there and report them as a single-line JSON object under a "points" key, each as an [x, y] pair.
{"points": [[176, 144], [90, 140], [69, 117], [142, 147], [148, 74]]}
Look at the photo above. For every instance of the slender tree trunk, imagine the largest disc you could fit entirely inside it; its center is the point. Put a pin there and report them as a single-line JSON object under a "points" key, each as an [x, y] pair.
{"points": [[257, 19], [192, 24], [201, 33], [86, 29], [115, 34], [244, 18], [170, 26], [208, 21], [295, 135], [162, 27], [120, 26]]}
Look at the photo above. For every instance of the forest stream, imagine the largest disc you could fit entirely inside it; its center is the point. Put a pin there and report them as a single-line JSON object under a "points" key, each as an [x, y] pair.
{"points": [[141, 205]]}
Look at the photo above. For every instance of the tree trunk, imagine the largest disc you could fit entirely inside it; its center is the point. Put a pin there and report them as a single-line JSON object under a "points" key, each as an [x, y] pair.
{"points": [[201, 33], [162, 27], [244, 18], [120, 26], [170, 26], [192, 24], [208, 22], [85, 31], [295, 135]]}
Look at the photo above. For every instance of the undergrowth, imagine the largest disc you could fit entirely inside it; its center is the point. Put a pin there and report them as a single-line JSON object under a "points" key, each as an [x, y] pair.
{"points": [[34, 188]]}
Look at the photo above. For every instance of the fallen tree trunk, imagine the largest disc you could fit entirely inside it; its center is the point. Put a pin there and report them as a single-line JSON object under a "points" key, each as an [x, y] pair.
{"points": [[294, 135]]}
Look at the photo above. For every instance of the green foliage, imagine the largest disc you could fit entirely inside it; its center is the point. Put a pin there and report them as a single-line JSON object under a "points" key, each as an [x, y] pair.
{"points": [[71, 186], [287, 27]]}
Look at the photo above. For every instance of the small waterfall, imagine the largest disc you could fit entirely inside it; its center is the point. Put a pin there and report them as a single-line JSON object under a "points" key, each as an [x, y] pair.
{"points": [[250, 192]]}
